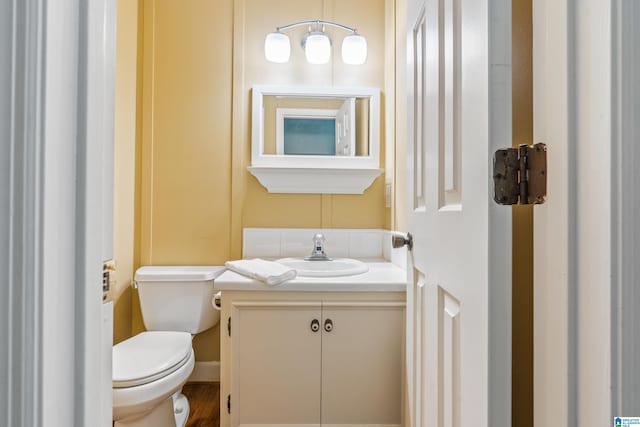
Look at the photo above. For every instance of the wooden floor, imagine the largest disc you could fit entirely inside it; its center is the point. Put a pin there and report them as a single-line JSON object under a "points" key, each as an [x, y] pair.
{"points": [[204, 402]]}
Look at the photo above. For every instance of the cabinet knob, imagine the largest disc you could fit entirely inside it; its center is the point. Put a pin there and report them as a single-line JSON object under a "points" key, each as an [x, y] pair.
{"points": [[315, 325], [328, 325]]}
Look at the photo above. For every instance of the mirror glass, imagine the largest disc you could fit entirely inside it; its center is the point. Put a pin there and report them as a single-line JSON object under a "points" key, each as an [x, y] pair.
{"points": [[316, 125]]}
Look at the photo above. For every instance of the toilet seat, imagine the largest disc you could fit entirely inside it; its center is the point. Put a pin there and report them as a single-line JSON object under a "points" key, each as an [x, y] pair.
{"points": [[147, 370], [134, 402], [148, 357]]}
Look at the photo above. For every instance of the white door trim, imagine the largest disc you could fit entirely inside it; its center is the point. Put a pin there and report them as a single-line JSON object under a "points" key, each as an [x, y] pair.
{"points": [[625, 297], [586, 108], [500, 225], [554, 233], [21, 257], [51, 210]]}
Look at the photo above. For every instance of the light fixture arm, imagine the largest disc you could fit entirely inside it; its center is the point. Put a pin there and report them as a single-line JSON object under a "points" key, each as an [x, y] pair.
{"points": [[317, 22]]}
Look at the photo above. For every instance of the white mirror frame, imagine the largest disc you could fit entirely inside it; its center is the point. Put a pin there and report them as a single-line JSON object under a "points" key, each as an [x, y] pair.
{"points": [[314, 174]]}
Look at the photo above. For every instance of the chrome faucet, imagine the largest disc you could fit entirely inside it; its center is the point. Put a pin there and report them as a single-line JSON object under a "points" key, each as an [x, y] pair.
{"points": [[317, 253]]}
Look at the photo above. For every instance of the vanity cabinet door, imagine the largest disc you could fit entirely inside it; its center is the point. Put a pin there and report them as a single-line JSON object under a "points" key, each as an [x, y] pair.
{"points": [[362, 351], [276, 375]]}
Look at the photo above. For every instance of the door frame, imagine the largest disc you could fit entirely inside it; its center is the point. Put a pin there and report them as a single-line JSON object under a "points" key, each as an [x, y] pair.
{"points": [[48, 219], [586, 108], [625, 206], [55, 68]]}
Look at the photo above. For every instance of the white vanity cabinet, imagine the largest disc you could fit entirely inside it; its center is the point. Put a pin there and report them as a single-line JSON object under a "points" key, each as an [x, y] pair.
{"points": [[312, 359]]}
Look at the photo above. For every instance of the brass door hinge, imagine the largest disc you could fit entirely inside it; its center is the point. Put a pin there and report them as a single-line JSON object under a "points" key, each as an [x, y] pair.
{"points": [[520, 175]]}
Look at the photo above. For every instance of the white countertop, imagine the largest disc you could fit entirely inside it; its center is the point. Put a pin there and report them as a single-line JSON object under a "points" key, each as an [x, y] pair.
{"points": [[381, 277]]}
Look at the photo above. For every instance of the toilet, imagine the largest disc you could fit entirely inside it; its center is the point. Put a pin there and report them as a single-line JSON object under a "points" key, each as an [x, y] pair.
{"points": [[150, 368]]}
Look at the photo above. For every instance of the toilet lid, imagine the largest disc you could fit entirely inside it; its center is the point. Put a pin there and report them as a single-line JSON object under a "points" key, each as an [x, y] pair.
{"points": [[149, 356]]}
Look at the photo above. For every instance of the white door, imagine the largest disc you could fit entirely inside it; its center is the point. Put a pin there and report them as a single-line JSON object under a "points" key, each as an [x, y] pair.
{"points": [[56, 87], [458, 299], [345, 128]]}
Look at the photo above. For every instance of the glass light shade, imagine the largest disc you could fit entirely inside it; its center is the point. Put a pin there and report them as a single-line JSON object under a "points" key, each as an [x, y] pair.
{"points": [[317, 49], [354, 50], [277, 47]]}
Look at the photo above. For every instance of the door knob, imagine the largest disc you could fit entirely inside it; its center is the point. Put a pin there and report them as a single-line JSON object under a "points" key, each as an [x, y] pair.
{"points": [[399, 240], [328, 325], [315, 325]]}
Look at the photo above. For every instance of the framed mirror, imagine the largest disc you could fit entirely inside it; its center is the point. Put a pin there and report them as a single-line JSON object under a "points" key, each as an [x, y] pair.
{"points": [[325, 139]]}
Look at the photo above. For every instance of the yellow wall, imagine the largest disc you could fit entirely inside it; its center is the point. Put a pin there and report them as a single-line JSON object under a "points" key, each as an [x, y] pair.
{"points": [[199, 61], [124, 164], [185, 175]]}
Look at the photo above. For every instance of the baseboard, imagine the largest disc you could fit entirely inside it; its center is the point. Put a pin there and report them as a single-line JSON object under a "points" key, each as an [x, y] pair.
{"points": [[205, 372]]}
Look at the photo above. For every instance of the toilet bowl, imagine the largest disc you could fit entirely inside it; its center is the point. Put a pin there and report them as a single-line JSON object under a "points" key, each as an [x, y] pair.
{"points": [[150, 368]]}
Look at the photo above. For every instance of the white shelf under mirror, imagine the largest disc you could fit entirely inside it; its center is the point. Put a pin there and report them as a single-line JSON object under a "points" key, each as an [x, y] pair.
{"points": [[346, 157]]}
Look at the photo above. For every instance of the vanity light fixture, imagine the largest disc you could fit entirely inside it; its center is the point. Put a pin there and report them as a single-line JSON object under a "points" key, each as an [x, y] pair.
{"points": [[316, 44]]}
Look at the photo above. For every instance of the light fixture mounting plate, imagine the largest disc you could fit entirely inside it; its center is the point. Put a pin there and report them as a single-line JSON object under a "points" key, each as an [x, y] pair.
{"points": [[303, 41]]}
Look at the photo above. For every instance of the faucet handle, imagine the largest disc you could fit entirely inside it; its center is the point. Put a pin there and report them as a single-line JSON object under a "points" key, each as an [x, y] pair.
{"points": [[317, 253]]}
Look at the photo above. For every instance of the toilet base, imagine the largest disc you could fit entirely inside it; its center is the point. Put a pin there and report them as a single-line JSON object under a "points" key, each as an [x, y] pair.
{"points": [[180, 409], [163, 415]]}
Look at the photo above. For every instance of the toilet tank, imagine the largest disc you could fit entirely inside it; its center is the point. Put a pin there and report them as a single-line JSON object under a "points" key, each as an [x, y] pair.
{"points": [[178, 298]]}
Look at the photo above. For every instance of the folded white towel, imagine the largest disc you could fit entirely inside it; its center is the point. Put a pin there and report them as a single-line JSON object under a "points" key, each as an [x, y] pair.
{"points": [[269, 272]]}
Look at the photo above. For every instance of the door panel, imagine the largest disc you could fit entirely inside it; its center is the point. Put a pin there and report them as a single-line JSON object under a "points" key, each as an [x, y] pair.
{"points": [[449, 360], [450, 98], [449, 191], [274, 341], [362, 364], [417, 122], [418, 317]]}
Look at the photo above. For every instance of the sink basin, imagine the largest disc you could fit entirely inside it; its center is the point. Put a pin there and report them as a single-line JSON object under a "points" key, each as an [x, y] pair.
{"points": [[336, 267]]}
